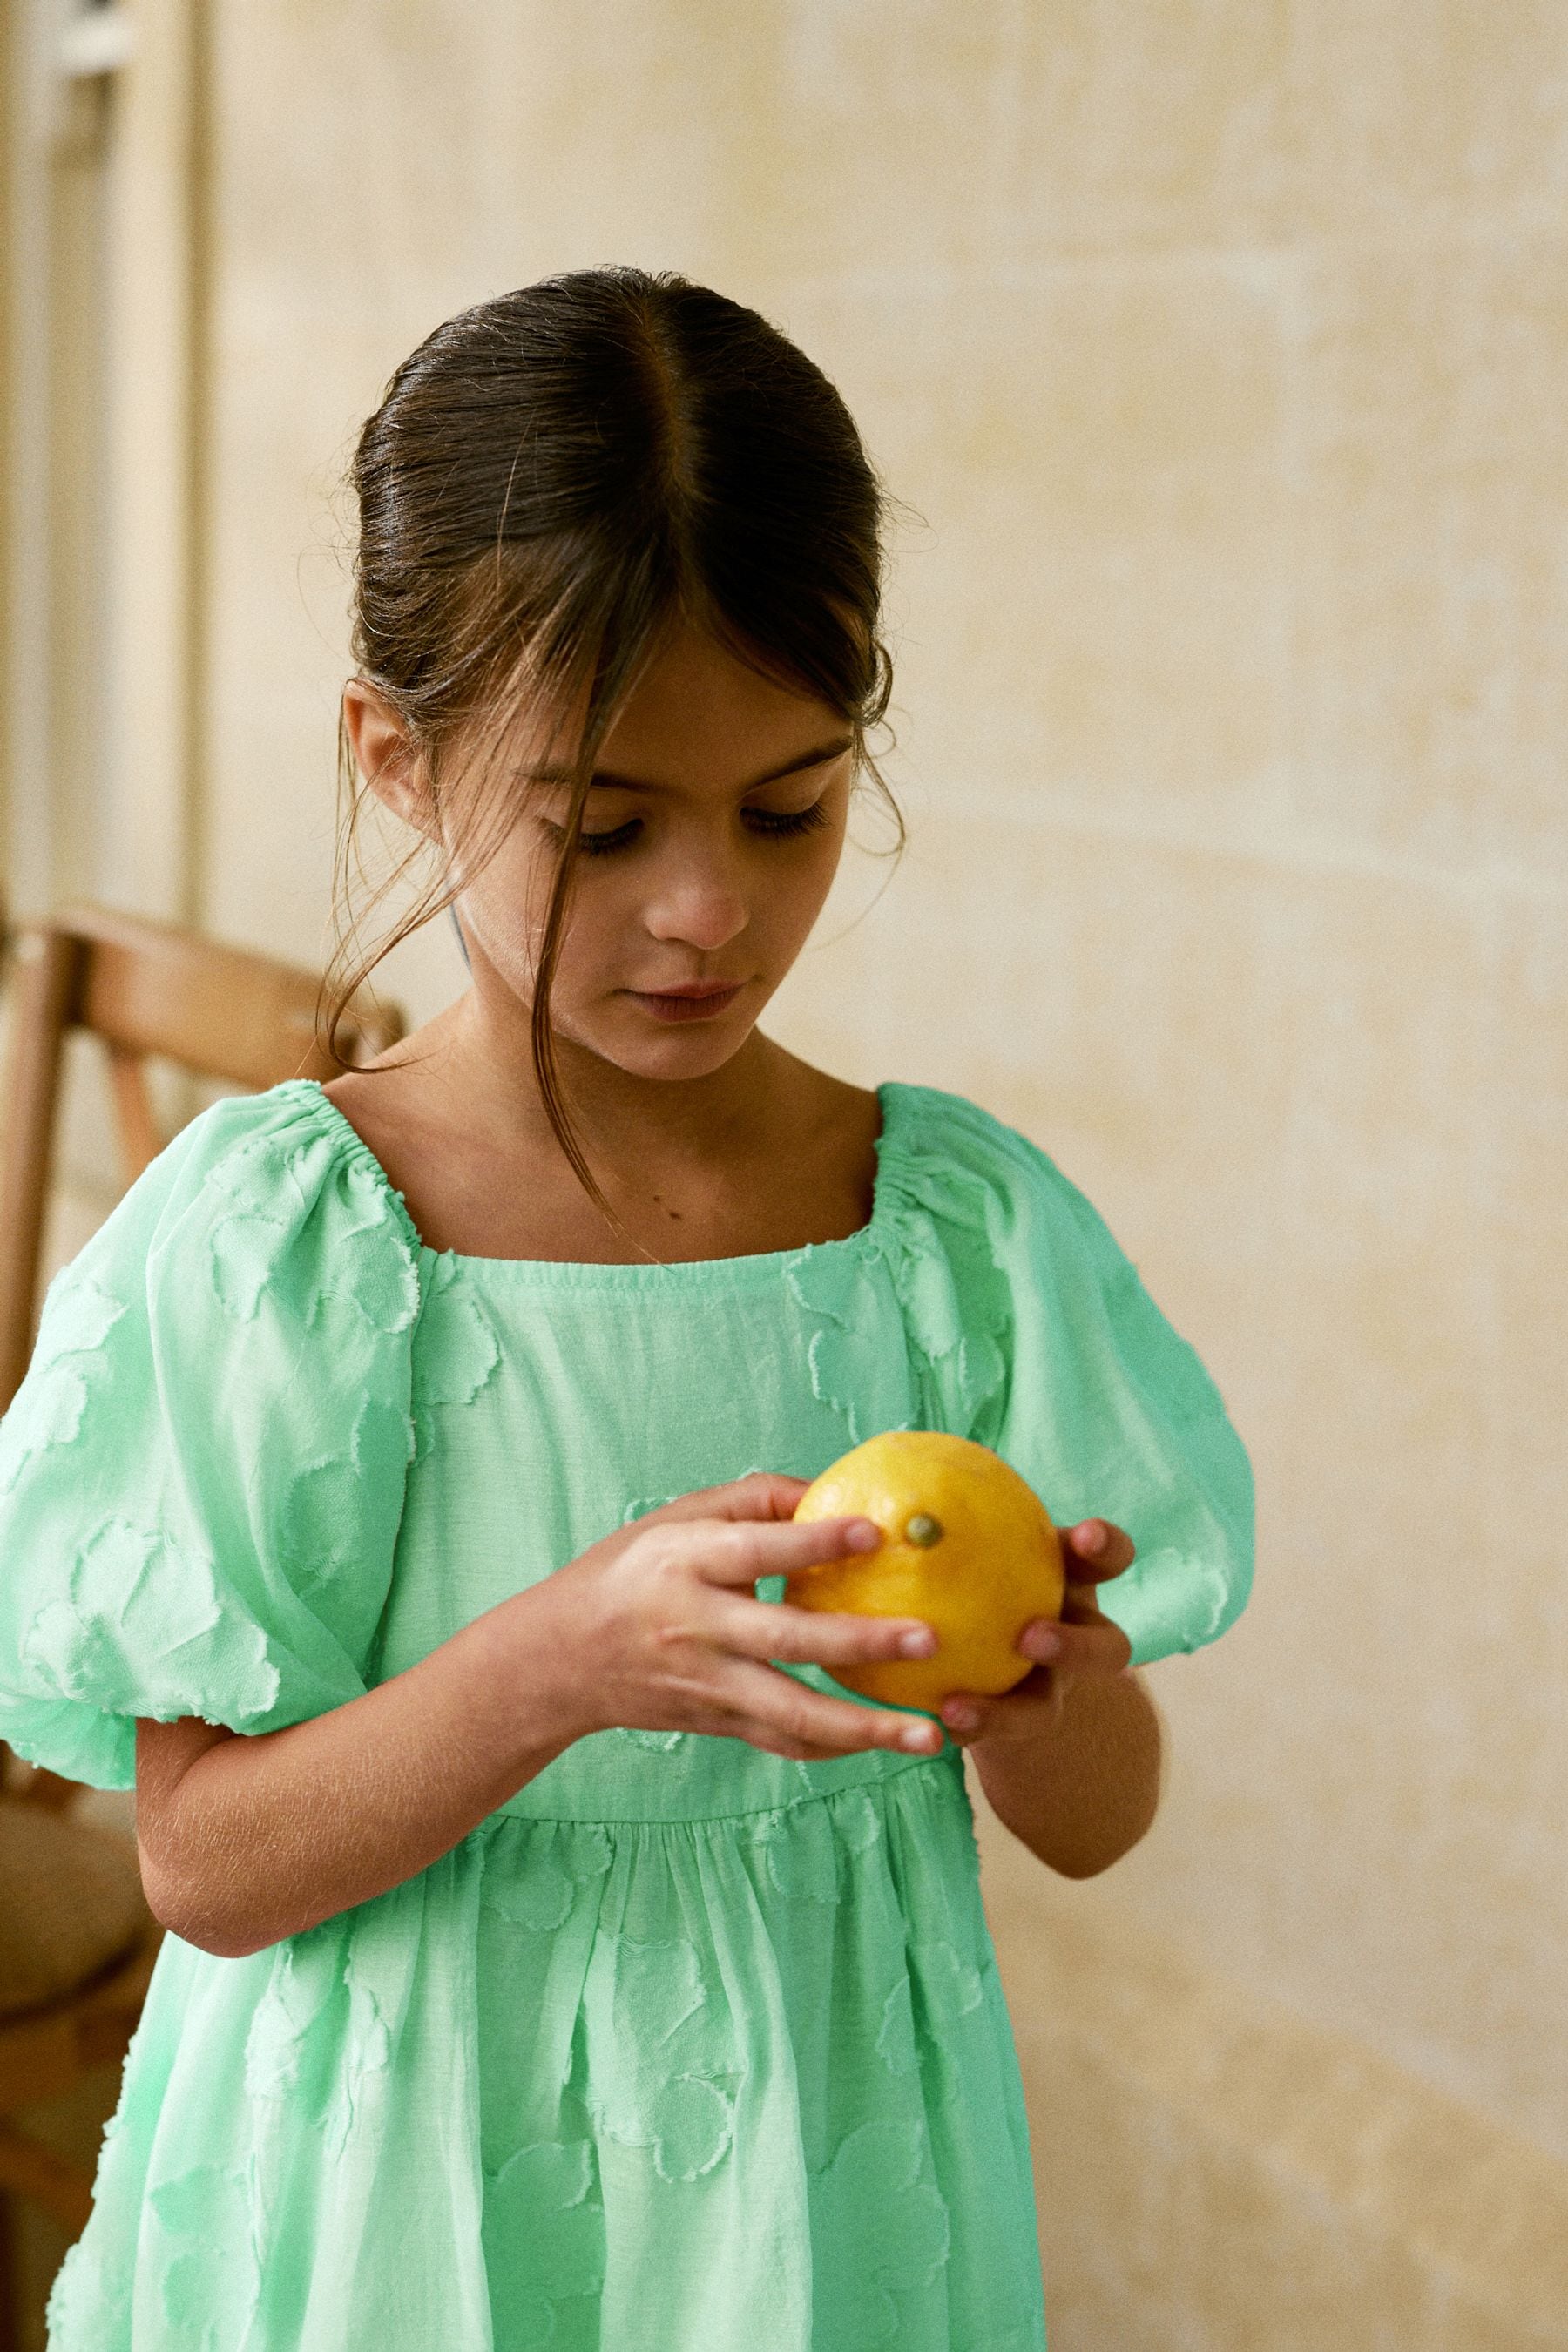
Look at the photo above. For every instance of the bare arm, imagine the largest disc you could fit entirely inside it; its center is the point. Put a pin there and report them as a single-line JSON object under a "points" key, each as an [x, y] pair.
{"points": [[1072, 1758], [1084, 1793], [245, 1840]]}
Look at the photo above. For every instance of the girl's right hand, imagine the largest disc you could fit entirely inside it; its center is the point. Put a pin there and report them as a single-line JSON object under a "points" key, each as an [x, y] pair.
{"points": [[657, 1628]]}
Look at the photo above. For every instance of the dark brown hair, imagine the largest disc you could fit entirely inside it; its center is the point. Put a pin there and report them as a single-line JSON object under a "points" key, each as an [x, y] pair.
{"points": [[554, 482]]}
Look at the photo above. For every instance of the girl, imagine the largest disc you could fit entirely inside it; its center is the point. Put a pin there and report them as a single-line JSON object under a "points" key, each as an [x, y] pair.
{"points": [[399, 1495]]}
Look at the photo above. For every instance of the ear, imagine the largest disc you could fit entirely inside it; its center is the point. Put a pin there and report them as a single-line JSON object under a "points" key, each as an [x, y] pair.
{"points": [[386, 753]]}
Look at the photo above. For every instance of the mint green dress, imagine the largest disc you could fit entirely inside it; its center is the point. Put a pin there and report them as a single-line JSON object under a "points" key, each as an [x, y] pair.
{"points": [[687, 2047]]}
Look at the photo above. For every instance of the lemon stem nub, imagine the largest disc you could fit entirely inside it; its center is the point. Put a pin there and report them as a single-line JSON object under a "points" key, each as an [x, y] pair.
{"points": [[922, 1529]]}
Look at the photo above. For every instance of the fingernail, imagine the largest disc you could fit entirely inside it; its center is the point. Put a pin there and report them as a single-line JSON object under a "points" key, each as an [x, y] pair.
{"points": [[962, 1718], [1091, 1537], [1045, 1644], [918, 1644], [864, 1535]]}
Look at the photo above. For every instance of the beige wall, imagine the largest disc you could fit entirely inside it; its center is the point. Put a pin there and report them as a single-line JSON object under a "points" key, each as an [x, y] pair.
{"points": [[1221, 344]]}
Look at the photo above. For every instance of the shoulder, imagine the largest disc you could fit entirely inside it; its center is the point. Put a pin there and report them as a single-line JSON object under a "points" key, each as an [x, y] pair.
{"points": [[260, 1193], [966, 1163], [940, 1129]]}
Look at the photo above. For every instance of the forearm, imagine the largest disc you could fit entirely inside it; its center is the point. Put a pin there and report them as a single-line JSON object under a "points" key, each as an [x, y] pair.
{"points": [[265, 1836], [1083, 1794]]}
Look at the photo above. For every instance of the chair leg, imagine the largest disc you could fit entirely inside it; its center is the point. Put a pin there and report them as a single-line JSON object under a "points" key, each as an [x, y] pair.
{"points": [[10, 2285]]}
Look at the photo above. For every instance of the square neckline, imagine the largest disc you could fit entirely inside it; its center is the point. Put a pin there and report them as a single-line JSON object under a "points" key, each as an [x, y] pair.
{"points": [[616, 1273]]}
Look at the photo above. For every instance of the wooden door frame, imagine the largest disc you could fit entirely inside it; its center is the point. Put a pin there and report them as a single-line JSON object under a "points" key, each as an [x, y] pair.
{"points": [[143, 845]]}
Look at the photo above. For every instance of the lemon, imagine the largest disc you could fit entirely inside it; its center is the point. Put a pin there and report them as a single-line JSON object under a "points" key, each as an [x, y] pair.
{"points": [[967, 1546]]}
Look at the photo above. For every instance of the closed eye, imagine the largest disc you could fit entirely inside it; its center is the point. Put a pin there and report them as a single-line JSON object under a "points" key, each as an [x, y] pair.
{"points": [[769, 821]]}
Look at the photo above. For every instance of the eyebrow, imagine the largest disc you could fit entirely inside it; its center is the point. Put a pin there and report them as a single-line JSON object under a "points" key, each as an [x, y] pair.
{"points": [[635, 784]]}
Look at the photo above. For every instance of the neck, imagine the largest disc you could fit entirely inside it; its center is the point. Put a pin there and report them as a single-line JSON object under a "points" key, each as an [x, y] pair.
{"points": [[485, 1070]]}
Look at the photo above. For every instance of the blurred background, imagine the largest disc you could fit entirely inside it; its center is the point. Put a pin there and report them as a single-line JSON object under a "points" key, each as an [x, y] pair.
{"points": [[1219, 347]]}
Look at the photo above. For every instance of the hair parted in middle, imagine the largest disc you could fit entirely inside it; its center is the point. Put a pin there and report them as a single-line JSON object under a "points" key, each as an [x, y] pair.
{"points": [[555, 482]]}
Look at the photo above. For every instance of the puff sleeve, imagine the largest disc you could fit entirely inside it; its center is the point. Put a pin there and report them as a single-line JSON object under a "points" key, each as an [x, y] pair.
{"points": [[1058, 1358], [1111, 1413], [201, 1473]]}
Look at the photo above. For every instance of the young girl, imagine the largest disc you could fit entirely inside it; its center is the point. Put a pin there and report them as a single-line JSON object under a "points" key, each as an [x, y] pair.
{"points": [[399, 1494]]}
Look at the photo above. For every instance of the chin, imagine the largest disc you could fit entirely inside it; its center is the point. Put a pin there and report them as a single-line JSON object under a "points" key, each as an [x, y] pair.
{"points": [[679, 1051], [685, 1057]]}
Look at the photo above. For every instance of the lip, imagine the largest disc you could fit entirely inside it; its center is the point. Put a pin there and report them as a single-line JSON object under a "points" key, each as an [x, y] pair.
{"points": [[693, 988], [686, 1003]]}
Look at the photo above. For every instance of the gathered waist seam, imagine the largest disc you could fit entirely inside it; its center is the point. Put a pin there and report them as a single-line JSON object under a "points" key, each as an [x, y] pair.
{"points": [[943, 1762]]}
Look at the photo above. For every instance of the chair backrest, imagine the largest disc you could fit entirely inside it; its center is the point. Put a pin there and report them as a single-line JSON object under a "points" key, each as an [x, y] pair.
{"points": [[144, 988]]}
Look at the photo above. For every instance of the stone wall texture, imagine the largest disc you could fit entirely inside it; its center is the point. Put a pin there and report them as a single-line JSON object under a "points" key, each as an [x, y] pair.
{"points": [[1219, 348]]}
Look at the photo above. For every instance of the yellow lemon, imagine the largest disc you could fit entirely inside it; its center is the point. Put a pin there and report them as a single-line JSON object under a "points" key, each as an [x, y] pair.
{"points": [[967, 1545]]}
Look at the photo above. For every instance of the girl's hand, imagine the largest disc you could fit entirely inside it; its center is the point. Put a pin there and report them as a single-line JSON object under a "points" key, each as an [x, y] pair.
{"points": [[655, 1628], [1085, 1643]]}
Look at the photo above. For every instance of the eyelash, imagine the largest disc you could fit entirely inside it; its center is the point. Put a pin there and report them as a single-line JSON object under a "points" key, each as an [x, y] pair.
{"points": [[600, 845]]}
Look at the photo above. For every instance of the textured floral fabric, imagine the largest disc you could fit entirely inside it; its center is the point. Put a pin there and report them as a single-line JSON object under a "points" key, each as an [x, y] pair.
{"points": [[687, 2047]]}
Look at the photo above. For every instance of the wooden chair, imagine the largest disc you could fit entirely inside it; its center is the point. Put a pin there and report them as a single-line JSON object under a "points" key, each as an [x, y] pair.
{"points": [[76, 1940]]}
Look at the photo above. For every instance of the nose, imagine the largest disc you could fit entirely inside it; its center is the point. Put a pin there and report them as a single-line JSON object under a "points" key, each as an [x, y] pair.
{"points": [[699, 899]]}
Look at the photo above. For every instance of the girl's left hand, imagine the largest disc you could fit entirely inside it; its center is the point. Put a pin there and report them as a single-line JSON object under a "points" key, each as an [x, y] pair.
{"points": [[1086, 1642]]}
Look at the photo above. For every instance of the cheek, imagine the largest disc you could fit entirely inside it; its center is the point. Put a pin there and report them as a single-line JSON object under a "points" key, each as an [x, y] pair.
{"points": [[795, 901], [506, 905], [603, 913]]}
